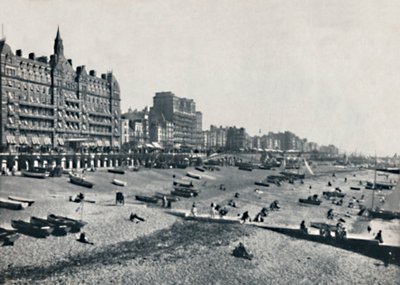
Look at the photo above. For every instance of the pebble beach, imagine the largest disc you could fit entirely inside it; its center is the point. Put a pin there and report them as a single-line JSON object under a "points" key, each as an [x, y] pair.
{"points": [[166, 249]]}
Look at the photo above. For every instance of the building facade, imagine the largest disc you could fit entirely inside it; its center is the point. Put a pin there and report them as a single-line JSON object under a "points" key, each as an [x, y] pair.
{"points": [[46, 102], [139, 132], [236, 139], [169, 111]]}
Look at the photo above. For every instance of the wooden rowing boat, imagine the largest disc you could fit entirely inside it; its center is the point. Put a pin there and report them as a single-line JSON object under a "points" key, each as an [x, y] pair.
{"points": [[34, 174], [116, 170], [193, 175], [118, 182], [20, 199], [310, 201], [147, 199], [12, 205], [80, 181], [31, 230]]}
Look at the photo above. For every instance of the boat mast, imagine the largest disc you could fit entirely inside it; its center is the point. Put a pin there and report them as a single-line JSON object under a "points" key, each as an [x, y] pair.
{"points": [[374, 186]]}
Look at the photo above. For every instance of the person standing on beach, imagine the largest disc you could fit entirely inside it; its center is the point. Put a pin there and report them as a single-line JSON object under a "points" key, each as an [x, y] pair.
{"points": [[193, 211], [212, 210]]}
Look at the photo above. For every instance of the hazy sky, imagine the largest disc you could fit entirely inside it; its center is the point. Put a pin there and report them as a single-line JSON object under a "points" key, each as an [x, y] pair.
{"points": [[326, 70]]}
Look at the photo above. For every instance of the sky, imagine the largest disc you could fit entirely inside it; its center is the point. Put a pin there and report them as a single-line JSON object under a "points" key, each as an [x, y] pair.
{"points": [[326, 70]]}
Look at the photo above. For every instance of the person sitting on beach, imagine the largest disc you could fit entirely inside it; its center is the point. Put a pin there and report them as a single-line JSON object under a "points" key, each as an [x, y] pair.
{"points": [[223, 212], [378, 236], [245, 217], [193, 211], [303, 227], [134, 217], [237, 195], [264, 212], [275, 205], [329, 184], [329, 215], [82, 238], [232, 203], [240, 251], [259, 218]]}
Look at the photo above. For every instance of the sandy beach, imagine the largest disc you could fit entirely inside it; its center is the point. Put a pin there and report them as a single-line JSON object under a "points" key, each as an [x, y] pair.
{"points": [[166, 249]]}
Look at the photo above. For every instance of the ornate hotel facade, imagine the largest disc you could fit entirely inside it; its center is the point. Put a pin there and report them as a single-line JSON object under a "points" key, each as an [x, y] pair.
{"points": [[46, 103]]}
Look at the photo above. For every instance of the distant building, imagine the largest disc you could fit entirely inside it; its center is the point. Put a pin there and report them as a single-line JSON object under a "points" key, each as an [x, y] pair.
{"points": [[45, 103], [236, 139], [217, 137], [170, 111], [139, 125]]}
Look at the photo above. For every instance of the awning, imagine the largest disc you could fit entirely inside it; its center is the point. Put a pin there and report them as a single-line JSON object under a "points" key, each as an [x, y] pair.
{"points": [[23, 140], [149, 145], [116, 144], [60, 141], [99, 143], [11, 140], [156, 145], [47, 141], [35, 140], [106, 143]]}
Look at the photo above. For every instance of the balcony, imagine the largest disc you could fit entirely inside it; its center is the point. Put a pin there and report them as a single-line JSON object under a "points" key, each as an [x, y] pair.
{"points": [[92, 122], [69, 119], [36, 128], [25, 103], [70, 109], [99, 114], [29, 115]]}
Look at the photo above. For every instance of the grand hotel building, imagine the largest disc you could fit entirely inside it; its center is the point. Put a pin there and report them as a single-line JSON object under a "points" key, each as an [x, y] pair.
{"points": [[46, 103]]}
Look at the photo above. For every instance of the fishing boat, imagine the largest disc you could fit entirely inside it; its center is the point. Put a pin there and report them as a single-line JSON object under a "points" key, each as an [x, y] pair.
{"points": [[31, 230], [261, 183], [59, 230], [391, 207], [380, 185], [329, 194], [205, 218], [193, 175], [183, 183], [169, 197], [147, 199], [75, 225], [80, 181], [118, 182], [20, 199], [200, 169], [355, 188], [355, 243], [8, 236], [12, 205], [293, 175], [245, 168], [35, 173], [191, 190], [116, 170], [312, 200], [185, 194]]}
